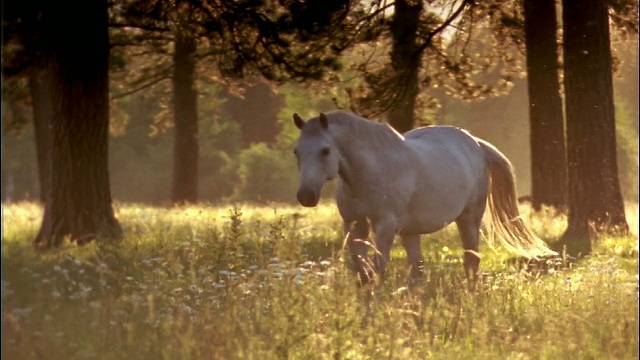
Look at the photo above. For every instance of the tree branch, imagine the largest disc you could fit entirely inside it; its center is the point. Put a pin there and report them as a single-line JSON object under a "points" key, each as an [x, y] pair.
{"points": [[138, 26], [444, 25], [146, 85]]}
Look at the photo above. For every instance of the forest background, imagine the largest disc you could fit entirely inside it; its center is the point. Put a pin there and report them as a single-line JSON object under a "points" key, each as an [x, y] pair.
{"points": [[245, 132], [190, 101]]}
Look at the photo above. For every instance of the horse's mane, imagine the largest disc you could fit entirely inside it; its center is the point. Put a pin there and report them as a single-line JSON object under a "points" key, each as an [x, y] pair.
{"points": [[344, 125]]}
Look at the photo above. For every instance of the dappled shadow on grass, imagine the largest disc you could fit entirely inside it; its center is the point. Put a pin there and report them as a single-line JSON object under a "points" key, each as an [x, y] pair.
{"points": [[188, 284], [512, 305], [442, 308], [542, 265], [175, 300], [445, 277]]}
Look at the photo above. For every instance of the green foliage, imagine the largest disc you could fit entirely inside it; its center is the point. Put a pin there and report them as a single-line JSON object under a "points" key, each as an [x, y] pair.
{"points": [[228, 170], [140, 153], [19, 167], [255, 112], [220, 144], [627, 150], [247, 282], [265, 174], [301, 100]]}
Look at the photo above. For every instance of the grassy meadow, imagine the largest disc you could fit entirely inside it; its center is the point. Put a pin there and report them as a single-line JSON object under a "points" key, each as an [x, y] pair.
{"points": [[274, 282]]}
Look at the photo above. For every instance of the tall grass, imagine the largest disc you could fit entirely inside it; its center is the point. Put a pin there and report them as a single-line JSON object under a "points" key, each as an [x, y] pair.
{"points": [[273, 283]]}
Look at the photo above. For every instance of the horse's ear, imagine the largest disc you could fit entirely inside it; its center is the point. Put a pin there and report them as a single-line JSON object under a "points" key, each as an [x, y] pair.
{"points": [[324, 121], [298, 121]]}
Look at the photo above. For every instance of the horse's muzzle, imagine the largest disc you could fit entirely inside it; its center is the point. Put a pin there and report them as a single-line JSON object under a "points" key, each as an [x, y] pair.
{"points": [[307, 197]]}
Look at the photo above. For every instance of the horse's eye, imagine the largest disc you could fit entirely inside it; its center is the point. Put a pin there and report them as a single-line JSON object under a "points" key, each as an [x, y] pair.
{"points": [[295, 152], [325, 151]]}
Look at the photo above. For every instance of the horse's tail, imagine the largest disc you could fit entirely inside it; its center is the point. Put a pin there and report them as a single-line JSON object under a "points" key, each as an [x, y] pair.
{"points": [[503, 206]]}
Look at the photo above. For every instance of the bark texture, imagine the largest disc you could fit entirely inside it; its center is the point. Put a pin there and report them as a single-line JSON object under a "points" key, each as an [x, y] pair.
{"points": [[548, 151], [185, 161], [41, 89], [80, 201], [594, 198], [405, 61]]}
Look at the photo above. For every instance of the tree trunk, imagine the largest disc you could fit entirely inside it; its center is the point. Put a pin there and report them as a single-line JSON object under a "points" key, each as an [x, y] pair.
{"points": [[80, 200], [405, 61], [41, 88], [185, 163], [594, 198], [548, 153]]}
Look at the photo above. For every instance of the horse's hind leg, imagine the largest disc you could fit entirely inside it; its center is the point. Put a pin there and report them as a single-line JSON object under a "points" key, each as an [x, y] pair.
{"points": [[411, 244], [469, 227]]}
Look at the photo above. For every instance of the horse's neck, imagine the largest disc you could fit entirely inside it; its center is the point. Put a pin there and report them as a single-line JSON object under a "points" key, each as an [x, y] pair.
{"points": [[363, 156], [362, 136]]}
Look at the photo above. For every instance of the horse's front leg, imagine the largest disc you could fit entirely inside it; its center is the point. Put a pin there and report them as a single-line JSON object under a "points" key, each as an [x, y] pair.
{"points": [[385, 232], [357, 238]]}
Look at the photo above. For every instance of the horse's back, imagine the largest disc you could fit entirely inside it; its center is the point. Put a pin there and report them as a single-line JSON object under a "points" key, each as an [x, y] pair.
{"points": [[438, 133], [452, 173], [436, 143]]}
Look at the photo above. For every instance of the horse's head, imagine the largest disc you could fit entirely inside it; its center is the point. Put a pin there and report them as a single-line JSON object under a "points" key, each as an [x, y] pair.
{"points": [[318, 158]]}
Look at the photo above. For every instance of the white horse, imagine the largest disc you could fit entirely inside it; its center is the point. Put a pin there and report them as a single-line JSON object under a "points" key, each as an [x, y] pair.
{"points": [[410, 185]]}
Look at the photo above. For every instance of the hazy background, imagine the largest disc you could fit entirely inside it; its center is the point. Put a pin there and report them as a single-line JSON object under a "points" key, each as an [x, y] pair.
{"points": [[246, 137]]}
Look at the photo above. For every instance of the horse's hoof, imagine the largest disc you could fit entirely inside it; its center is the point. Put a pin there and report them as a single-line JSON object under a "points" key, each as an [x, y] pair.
{"points": [[417, 270]]}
